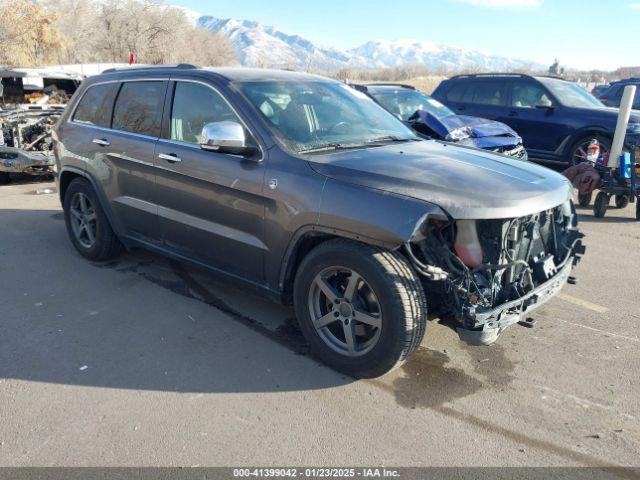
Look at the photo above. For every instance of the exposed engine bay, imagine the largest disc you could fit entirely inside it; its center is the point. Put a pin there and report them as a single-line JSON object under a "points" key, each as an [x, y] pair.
{"points": [[31, 102], [26, 145], [491, 272]]}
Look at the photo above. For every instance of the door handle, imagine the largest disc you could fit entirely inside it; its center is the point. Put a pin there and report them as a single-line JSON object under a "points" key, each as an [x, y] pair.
{"points": [[103, 142], [513, 114], [461, 109], [170, 157]]}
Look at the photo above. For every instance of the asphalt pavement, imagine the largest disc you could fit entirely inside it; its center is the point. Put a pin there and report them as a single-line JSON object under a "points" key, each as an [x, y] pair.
{"points": [[144, 361]]}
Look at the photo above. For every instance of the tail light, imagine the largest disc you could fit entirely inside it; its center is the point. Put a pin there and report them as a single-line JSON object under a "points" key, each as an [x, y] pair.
{"points": [[467, 245]]}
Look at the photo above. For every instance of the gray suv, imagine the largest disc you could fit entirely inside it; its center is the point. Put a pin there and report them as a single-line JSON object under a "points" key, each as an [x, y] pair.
{"points": [[308, 190]]}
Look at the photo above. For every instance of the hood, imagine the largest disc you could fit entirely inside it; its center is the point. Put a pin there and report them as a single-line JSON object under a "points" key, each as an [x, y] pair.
{"points": [[476, 128], [466, 182], [608, 112]]}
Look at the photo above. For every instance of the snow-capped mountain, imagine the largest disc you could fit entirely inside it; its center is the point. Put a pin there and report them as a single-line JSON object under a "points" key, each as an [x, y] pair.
{"points": [[263, 46], [383, 53], [259, 45]]}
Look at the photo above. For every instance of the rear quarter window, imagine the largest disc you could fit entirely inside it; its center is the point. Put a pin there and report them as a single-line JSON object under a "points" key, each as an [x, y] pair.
{"points": [[96, 105], [138, 108]]}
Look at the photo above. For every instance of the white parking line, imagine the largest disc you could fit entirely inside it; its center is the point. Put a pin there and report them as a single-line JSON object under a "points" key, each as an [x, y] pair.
{"points": [[633, 339], [582, 303]]}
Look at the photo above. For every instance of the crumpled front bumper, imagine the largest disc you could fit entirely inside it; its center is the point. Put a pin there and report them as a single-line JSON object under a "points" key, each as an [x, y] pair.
{"points": [[15, 160], [489, 324]]}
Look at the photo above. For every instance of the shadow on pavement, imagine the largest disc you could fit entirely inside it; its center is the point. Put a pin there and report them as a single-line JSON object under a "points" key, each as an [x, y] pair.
{"points": [[65, 320]]}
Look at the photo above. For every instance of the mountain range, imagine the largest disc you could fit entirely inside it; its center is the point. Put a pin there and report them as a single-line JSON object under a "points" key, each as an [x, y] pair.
{"points": [[260, 45]]}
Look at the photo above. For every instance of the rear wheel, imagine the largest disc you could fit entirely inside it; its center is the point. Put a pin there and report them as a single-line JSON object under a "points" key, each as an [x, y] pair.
{"points": [[601, 205], [584, 200], [361, 309], [638, 209], [87, 224], [578, 152], [622, 201], [4, 178]]}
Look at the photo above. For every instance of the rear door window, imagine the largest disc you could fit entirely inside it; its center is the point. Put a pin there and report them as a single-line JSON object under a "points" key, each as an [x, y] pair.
{"points": [[490, 93], [96, 105], [138, 108]]}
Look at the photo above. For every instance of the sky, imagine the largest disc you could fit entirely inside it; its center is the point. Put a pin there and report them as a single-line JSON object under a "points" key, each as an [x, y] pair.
{"points": [[582, 34]]}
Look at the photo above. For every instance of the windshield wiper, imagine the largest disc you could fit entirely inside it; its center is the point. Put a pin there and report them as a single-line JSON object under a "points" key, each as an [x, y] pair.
{"points": [[366, 143], [332, 146], [391, 138]]}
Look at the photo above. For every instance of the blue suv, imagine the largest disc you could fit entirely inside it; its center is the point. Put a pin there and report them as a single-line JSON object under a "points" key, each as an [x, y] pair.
{"points": [[555, 118], [612, 96]]}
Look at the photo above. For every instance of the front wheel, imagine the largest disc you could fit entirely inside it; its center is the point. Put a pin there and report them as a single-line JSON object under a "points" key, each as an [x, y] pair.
{"points": [[4, 178], [361, 309], [578, 151]]}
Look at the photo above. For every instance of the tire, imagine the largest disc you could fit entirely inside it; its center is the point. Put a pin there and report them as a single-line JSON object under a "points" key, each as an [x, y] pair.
{"points": [[5, 178], [387, 290], [575, 156], [103, 243], [584, 200], [601, 205], [622, 201], [638, 209]]}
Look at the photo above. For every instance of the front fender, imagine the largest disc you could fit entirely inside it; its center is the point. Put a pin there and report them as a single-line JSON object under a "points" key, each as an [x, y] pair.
{"points": [[373, 216]]}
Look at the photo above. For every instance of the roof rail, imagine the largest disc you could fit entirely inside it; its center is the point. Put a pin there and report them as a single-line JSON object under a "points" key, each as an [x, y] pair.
{"points": [[391, 84], [183, 66], [503, 74]]}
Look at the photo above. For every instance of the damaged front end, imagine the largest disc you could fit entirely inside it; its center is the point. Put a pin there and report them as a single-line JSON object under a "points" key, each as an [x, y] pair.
{"points": [[26, 145], [491, 273]]}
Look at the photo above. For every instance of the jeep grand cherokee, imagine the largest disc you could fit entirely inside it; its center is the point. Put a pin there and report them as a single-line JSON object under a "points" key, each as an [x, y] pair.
{"points": [[307, 189]]}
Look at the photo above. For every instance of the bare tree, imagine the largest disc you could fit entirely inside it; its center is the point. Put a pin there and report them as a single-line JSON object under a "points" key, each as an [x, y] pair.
{"points": [[28, 34]]}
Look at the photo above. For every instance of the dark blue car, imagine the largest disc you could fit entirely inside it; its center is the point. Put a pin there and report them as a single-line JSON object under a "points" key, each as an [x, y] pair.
{"points": [[556, 119], [430, 117]]}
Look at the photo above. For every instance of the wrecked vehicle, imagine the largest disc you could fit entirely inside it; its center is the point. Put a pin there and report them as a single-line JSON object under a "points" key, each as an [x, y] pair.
{"points": [[306, 189], [31, 102], [429, 117]]}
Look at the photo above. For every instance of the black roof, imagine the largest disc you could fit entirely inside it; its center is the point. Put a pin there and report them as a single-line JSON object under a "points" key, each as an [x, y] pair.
{"points": [[233, 74]]}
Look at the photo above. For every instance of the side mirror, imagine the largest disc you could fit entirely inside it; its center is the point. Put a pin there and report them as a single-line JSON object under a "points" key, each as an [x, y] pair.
{"points": [[545, 105], [225, 137]]}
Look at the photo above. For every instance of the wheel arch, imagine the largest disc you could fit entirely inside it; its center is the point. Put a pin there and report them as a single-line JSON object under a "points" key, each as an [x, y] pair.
{"points": [[68, 174], [583, 133]]}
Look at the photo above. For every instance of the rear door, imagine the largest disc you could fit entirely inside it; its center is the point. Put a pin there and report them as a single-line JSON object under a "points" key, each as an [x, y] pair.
{"points": [[112, 134], [211, 205], [135, 128]]}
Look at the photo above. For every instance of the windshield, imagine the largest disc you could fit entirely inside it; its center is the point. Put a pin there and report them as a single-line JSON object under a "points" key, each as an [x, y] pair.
{"points": [[404, 103], [571, 95], [315, 115]]}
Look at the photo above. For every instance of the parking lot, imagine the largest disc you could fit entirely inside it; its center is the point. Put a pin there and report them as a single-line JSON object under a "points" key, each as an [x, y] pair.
{"points": [[146, 361]]}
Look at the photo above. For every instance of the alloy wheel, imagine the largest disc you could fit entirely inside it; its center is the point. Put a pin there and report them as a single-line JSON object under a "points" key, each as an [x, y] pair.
{"points": [[83, 218], [345, 311], [580, 153]]}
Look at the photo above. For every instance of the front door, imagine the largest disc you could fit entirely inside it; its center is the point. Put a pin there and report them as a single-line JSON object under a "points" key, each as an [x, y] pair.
{"points": [[210, 205], [536, 118]]}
